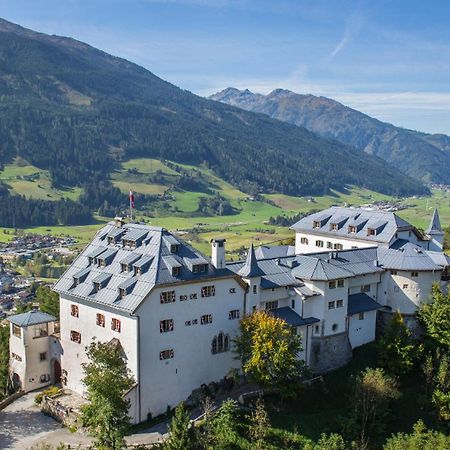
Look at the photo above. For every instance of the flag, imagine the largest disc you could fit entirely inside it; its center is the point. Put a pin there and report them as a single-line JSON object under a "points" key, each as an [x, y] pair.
{"points": [[131, 199]]}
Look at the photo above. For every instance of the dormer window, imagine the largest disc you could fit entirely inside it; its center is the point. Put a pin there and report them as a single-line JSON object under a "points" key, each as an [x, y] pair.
{"points": [[371, 232], [352, 229], [111, 240], [316, 224], [97, 286], [122, 293], [199, 268], [334, 227], [174, 248], [176, 271], [125, 267]]}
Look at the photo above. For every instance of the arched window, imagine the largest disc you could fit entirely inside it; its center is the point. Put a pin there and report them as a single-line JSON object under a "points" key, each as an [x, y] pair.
{"points": [[220, 343]]}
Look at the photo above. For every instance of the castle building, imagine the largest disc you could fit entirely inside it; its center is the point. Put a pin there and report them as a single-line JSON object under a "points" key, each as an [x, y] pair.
{"points": [[175, 312]]}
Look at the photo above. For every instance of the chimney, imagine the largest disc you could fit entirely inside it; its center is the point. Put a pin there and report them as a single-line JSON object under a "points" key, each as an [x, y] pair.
{"points": [[119, 222], [218, 253]]}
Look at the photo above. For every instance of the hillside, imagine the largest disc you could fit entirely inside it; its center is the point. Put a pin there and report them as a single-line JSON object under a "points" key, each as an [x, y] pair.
{"points": [[77, 113], [422, 156]]}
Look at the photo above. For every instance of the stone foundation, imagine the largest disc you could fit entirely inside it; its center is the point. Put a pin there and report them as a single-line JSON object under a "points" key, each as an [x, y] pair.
{"points": [[384, 318], [330, 352]]}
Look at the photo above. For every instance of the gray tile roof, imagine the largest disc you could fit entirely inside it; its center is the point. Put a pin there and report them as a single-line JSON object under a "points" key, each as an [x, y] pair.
{"points": [[276, 251], [250, 267], [33, 317], [150, 254], [291, 317], [407, 257], [385, 223], [361, 302], [435, 224]]}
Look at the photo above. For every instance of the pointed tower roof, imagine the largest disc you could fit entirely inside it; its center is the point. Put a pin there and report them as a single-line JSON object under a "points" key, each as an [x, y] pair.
{"points": [[251, 268], [435, 224]]}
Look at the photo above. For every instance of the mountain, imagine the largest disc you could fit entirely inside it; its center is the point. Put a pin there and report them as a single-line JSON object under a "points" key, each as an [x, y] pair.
{"points": [[76, 112], [422, 156]]}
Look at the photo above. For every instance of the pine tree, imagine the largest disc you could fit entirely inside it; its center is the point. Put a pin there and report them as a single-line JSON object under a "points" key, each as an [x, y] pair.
{"points": [[180, 432]]}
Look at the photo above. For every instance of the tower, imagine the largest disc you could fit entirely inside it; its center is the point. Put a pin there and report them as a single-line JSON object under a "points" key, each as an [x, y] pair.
{"points": [[218, 253], [251, 274], [435, 233]]}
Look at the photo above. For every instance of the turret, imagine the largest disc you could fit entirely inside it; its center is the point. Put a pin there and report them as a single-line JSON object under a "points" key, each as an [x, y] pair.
{"points": [[251, 273], [435, 233], [218, 253]]}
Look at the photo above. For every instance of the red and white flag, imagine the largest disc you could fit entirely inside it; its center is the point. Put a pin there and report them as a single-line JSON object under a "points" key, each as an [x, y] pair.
{"points": [[131, 199]]}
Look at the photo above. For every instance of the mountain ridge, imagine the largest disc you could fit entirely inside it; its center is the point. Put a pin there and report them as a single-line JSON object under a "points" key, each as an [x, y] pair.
{"points": [[331, 119]]}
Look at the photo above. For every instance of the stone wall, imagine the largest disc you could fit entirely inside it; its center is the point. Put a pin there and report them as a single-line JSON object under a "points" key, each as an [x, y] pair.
{"points": [[410, 320], [330, 352]]}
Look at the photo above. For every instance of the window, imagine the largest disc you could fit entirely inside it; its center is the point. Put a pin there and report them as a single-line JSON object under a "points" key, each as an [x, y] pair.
{"points": [[44, 378], [371, 232], [97, 286], [414, 274], [100, 320], [17, 331], [174, 248], [338, 247], [208, 291], [220, 343], [199, 268], [193, 296], [234, 314], [194, 321], [352, 229], [74, 311], [166, 325], [43, 356], [232, 290], [334, 327], [393, 272], [16, 357], [115, 325], [167, 297], [304, 240], [340, 283], [271, 305], [255, 289], [316, 224], [332, 305], [125, 267], [319, 243], [332, 284], [41, 330], [166, 354], [188, 323], [316, 329], [361, 316], [405, 286], [75, 336], [122, 293], [183, 298], [339, 303], [365, 288], [176, 271], [293, 304], [206, 319], [329, 244]]}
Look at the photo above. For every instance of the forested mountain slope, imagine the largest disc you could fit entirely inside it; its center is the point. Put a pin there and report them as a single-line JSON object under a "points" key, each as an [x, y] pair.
{"points": [[76, 111], [423, 156]]}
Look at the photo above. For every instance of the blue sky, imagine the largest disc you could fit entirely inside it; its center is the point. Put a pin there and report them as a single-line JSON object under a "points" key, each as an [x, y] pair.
{"points": [[388, 58]]}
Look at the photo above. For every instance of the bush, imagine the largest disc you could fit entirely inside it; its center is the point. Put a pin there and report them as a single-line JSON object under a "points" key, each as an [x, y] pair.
{"points": [[51, 392]]}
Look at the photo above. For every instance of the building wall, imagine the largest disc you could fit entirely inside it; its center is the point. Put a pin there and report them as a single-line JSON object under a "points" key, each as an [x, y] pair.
{"points": [[404, 292], [74, 354], [361, 329], [312, 238], [167, 382]]}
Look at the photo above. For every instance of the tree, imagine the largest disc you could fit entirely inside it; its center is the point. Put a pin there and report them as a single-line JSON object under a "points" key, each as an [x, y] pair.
{"points": [[259, 424], [419, 439], [107, 380], [48, 300], [180, 432], [4, 360], [434, 317], [396, 347], [225, 424], [330, 442], [372, 394], [268, 350]]}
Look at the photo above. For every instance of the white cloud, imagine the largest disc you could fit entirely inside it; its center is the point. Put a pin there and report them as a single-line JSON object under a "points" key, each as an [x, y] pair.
{"points": [[353, 27]]}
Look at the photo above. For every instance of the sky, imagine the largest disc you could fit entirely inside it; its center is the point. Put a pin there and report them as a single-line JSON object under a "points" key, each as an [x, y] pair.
{"points": [[387, 58]]}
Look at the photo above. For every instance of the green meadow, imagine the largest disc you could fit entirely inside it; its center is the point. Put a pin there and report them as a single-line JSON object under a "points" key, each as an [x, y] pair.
{"points": [[179, 208]]}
